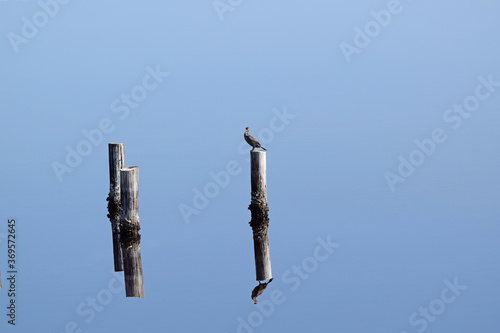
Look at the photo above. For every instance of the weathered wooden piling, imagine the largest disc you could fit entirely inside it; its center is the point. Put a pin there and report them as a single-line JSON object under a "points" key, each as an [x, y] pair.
{"points": [[116, 152], [260, 220], [129, 232]]}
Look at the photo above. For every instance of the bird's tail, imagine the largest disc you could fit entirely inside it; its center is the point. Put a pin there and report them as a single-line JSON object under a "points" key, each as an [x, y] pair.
{"points": [[263, 148]]}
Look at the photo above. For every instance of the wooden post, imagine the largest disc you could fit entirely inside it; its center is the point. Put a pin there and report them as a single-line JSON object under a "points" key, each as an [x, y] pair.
{"points": [[260, 220], [129, 232], [116, 152]]}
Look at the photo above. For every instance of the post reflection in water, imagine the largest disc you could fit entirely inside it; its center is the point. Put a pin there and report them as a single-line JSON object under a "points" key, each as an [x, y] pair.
{"points": [[130, 242]]}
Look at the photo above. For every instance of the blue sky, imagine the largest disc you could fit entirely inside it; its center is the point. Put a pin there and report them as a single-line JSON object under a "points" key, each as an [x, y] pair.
{"points": [[387, 151]]}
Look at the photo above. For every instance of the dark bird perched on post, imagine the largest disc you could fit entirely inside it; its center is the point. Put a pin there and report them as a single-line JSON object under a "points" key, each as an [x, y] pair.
{"points": [[251, 140]]}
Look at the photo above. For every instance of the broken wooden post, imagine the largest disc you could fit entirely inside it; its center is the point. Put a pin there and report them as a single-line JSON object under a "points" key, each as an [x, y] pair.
{"points": [[116, 152], [129, 232], [260, 220]]}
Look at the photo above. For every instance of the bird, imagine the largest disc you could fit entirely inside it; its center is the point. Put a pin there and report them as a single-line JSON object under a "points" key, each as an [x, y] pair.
{"points": [[257, 291], [251, 140]]}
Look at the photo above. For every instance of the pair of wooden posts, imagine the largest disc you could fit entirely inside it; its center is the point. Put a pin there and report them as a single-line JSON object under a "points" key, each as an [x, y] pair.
{"points": [[123, 208]]}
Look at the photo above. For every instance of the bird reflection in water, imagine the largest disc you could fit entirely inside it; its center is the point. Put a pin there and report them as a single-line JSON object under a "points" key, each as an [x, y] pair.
{"points": [[257, 291]]}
